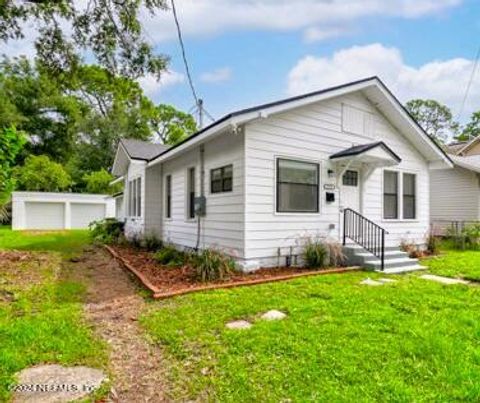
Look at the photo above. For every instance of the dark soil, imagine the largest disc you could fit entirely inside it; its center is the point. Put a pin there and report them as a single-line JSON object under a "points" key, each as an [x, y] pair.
{"points": [[171, 279]]}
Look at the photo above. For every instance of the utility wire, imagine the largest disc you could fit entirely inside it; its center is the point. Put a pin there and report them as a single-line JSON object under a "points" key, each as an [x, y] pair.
{"points": [[469, 84], [184, 55]]}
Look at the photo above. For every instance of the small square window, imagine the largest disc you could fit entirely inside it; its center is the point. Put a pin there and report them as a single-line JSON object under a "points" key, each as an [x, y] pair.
{"points": [[350, 178], [221, 179]]}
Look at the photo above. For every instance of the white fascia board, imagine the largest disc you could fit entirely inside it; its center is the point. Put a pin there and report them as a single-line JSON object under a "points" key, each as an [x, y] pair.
{"points": [[420, 133], [117, 180]]}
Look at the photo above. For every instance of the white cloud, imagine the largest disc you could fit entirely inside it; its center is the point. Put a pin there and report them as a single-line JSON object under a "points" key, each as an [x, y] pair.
{"points": [[316, 34], [217, 76], [153, 87], [443, 80], [207, 17]]}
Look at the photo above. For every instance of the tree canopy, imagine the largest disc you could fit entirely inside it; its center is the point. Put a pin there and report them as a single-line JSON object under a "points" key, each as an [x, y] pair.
{"points": [[39, 173], [77, 119], [435, 118], [110, 30], [99, 182]]}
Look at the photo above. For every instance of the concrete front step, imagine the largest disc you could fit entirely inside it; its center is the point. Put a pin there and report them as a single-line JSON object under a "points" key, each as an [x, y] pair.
{"points": [[396, 261], [391, 263]]}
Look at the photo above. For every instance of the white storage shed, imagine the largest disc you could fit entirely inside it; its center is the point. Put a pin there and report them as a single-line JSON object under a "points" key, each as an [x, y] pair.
{"points": [[59, 211]]}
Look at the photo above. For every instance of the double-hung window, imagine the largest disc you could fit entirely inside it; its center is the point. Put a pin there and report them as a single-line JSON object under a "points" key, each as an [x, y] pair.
{"points": [[221, 179], [168, 196], [191, 193], [297, 186], [135, 197], [409, 196], [399, 195]]}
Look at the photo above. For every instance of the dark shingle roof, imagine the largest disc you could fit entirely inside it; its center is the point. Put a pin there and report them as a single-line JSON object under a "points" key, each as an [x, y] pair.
{"points": [[355, 150], [142, 150]]}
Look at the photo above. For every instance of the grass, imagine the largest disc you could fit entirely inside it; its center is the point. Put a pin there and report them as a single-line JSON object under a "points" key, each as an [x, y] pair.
{"points": [[413, 340], [455, 263], [44, 323], [68, 243]]}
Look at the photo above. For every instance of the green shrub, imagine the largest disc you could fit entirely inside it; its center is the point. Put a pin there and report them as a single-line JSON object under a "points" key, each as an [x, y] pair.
{"points": [[106, 231], [212, 264], [169, 256], [316, 254], [152, 243]]}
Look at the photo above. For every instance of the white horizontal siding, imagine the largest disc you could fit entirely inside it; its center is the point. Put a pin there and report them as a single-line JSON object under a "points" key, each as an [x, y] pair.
{"points": [[313, 133], [223, 225], [134, 226], [455, 195]]}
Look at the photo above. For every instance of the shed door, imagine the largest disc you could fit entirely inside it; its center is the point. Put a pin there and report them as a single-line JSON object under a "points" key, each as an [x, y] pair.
{"points": [[41, 215], [84, 213]]}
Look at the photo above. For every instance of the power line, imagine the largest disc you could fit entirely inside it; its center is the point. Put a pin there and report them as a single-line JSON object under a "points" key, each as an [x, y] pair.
{"points": [[469, 84], [184, 55]]}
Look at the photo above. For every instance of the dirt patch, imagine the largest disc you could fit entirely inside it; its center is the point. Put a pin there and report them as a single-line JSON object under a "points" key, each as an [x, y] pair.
{"points": [[24, 269], [113, 305], [166, 281]]}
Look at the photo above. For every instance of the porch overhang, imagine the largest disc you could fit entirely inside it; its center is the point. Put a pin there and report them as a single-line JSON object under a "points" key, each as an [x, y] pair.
{"points": [[375, 155]]}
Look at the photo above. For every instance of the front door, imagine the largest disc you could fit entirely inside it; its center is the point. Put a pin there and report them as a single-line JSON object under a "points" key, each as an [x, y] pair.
{"points": [[350, 190]]}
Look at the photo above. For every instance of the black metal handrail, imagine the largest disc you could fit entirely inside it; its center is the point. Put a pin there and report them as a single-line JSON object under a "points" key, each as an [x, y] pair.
{"points": [[365, 233]]}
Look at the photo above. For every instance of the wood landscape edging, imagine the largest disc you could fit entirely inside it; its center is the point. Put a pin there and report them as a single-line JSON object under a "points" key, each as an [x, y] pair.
{"points": [[158, 294]]}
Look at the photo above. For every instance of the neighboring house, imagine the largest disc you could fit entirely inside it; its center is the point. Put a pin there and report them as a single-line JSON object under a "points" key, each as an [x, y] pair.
{"points": [[275, 174], [455, 193], [54, 211]]}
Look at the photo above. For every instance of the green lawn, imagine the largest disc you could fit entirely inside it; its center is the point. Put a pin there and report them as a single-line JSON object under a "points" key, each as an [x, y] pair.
{"points": [[455, 263], [414, 340], [65, 242], [41, 318]]}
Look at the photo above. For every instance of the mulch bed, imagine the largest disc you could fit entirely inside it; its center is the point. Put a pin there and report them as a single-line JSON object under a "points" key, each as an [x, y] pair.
{"points": [[165, 281]]}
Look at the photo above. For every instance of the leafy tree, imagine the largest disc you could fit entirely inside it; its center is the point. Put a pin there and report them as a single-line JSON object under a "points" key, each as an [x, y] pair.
{"points": [[436, 119], [170, 125], [36, 104], [99, 182], [11, 143], [108, 29], [471, 129], [39, 173]]}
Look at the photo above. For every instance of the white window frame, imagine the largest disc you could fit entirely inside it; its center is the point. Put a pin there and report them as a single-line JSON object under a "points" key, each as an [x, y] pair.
{"points": [[400, 196], [134, 200], [187, 191], [320, 181], [168, 204]]}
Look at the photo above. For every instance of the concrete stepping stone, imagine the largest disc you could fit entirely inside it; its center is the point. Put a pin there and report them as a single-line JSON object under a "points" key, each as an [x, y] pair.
{"points": [[371, 282], [387, 280], [274, 315], [444, 280], [55, 384], [239, 324]]}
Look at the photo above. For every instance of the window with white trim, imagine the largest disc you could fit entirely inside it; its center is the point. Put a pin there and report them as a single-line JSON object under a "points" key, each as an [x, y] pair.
{"points": [[297, 186], [409, 196], [399, 195], [168, 196], [221, 179], [191, 193], [135, 198]]}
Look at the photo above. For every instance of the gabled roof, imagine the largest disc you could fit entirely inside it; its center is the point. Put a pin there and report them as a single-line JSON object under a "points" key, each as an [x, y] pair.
{"points": [[471, 163], [455, 147], [142, 150], [372, 87], [357, 150], [467, 145]]}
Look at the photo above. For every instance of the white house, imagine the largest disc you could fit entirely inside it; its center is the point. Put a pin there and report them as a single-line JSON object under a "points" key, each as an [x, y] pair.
{"points": [[54, 211], [266, 177], [455, 193]]}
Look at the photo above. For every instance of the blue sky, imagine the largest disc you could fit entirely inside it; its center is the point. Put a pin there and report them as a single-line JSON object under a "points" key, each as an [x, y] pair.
{"points": [[246, 52], [426, 52]]}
